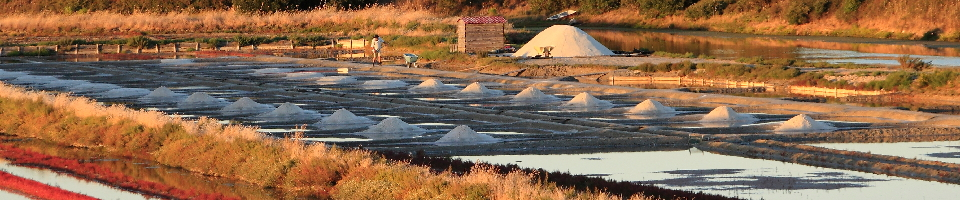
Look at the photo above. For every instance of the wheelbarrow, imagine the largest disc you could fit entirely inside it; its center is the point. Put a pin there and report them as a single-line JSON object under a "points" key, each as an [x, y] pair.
{"points": [[411, 59]]}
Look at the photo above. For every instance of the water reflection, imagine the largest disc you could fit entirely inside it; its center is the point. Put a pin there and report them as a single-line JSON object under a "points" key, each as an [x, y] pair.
{"points": [[943, 151], [732, 45], [731, 176], [69, 183]]}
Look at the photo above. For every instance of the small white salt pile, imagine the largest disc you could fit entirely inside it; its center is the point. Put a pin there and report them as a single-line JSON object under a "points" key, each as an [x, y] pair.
{"points": [[200, 100], [476, 89], [162, 95], [245, 106], [303, 75], [93, 87], [33, 80], [584, 99], [650, 107], [289, 112], [532, 94], [463, 135], [803, 123], [4, 75], [432, 85], [726, 114], [392, 128], [333, 80], [270, 71], [64, 83], [383, 84], [343, 119], [124, 93]]}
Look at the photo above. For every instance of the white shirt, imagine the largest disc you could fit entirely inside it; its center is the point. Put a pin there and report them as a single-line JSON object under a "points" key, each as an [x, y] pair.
{"points": [[377, 44]]}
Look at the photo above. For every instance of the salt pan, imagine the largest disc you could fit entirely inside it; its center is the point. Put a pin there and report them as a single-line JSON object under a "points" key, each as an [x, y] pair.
{"points": [[383, 84], [586, 100], [432, 85], [93, 87], [650, 107], [343, 119], [475, 89], [269, 71], [332, 80], [303, 75], [64, 83], [200, 100], [175, 61], [245, 106], [392, 128], [162, 94], [803, 123], [33, 80], [289, 112], [124, 93], [10, 75], [532, 94], [463, 135]]}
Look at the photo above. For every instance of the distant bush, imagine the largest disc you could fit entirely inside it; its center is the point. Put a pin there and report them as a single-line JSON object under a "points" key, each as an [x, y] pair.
{"points": [[900, 80], [801, 12], [659, 8], [707, 8], [548, 7], [140, 42], [762, 72], [598, 6], [936, 79], [409, 41], [684, 68], [309, 40]]}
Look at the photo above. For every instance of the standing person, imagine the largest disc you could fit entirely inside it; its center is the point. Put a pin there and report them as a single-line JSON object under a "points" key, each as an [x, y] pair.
{"points": [[377, 44]]}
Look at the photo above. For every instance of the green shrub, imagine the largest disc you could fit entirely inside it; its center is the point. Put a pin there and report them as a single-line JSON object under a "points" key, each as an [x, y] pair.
{"points": [[549, 7], [140, 42], [801, 12], [598, 6], [899, 80], [915, 64], [309, 40], [936, 79], [659, 8]]}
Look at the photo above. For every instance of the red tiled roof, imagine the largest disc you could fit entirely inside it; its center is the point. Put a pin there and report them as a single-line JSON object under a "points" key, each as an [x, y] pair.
{"points": [[484, 20]]}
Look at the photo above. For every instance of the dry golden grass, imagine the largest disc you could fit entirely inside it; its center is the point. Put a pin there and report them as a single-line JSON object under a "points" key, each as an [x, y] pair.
{"points": [[379, 20], [243, 153]]}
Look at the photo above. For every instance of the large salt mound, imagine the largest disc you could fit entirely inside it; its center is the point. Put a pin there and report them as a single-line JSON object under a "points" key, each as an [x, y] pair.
{"points": [[245, 106], [332, 80], [268, 71], [532, 94], [64, 83], [10, 75], [124, 92], [162, 94], [343, 119], [586, 100], [303, 75], [383, 84], [726, 114], [289, 112], [200, 100], [650, 107], [392, 128], [567, 41], [93, 87], [33, 80], [802, 123], [432, 85], [463, 135], [475, 89]]}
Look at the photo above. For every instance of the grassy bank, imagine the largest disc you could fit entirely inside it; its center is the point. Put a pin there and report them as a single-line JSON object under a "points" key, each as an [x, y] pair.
{"points": [[299, 169]]}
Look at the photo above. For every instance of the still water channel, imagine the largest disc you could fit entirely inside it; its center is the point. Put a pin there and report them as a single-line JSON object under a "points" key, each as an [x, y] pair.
{"points": [[699, 171], [734, 45], [943, 151]]}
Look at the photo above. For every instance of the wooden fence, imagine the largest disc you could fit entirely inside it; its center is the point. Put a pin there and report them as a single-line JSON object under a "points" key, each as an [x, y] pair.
{"points": [[804, 90]]}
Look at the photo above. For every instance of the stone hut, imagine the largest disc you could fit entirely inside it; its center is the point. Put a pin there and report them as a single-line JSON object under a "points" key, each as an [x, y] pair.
{"points": [[480, 34]]}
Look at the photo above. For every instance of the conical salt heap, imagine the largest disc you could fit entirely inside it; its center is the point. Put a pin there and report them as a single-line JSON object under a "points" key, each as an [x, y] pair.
{"points": [[344, 116], [586, 100], [392, 128], [93, 87], [383, 84], [245, 106], [303, 75], [463, 135], [475, 89], [125, 92], [288, 111], [200, 100], [432, 85], [726, 114], [331, 80], [802, 123], [162, 94], [533, 94], [651, 107]]}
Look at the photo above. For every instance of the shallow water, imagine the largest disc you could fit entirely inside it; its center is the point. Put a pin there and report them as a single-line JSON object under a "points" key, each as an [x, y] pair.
{"points": [[943, 151], [69, 183], [699, 171]]}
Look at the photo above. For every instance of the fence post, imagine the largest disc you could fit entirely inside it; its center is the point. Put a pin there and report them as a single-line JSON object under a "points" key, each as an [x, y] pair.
{"points": [[119, 48], [176, 47], [99, 48], [77, 50], [55, 48], [158, 48], [197, 46]]}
